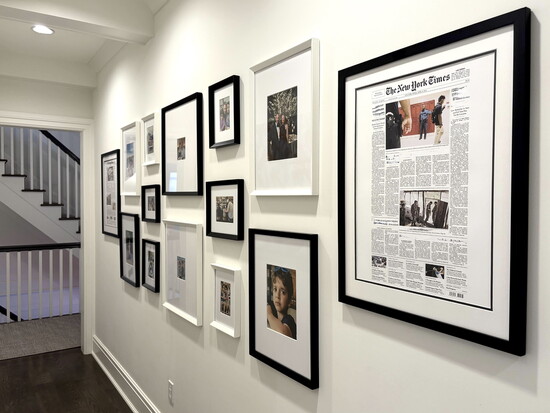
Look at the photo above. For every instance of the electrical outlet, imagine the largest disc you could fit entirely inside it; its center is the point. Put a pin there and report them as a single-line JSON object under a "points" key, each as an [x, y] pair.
{"points": [[170, 391]]}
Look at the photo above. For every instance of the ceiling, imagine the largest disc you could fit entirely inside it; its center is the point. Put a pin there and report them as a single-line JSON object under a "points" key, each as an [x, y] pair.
{"points": [[88, 33]]}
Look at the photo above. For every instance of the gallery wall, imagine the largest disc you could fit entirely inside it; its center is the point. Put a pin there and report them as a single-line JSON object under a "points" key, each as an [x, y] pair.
{"points": [[368, 362]]}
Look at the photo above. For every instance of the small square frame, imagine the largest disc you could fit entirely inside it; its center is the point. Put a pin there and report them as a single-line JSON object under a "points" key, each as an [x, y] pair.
{"points": [[150, 150], [129, 248], [294, 350], [183, 270], [148, 192], [225, 222], [227, 300], [224, 129], [110, 192], [182, 134], [130, 154], [150, 269]]}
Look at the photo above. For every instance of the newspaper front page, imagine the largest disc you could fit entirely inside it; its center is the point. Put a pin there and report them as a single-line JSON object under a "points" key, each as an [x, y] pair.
{"points": [[430, 136]]}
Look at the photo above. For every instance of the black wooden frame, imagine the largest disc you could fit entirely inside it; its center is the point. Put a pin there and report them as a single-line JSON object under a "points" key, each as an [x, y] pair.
{"points": [[239, 213], [520, 20], [235, 107], [144, 189], [103, 157], [122, 245], [156, 244]]}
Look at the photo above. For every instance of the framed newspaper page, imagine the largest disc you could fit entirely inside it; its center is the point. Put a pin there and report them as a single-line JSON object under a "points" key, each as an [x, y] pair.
{"points": [[110, 193], [432, 161], [286, 122]]}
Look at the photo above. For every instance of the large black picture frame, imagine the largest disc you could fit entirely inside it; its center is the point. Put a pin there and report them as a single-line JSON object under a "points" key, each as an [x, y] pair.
{"points": [[110, 193], [182, 151], [501, 322], [129, 249], [218, 128], [272, 254]]}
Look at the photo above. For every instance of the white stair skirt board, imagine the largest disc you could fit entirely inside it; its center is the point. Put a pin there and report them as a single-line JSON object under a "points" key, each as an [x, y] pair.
{"points": [[28, 206], [132, 394]]}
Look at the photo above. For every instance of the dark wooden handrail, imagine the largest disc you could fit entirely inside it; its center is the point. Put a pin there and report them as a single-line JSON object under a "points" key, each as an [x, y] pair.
{"points": [[38, 247], [60, 146]]}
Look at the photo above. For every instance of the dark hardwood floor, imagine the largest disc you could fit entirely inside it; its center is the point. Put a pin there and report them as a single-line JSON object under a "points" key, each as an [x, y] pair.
{"points": [[59, 382]]}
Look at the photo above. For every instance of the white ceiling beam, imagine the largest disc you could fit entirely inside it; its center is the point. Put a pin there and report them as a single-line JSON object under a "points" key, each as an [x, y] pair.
{"points": [[123, 20]]}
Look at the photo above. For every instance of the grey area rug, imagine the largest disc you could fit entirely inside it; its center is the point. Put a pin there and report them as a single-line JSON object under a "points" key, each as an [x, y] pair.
{"points": [[39, 336]]}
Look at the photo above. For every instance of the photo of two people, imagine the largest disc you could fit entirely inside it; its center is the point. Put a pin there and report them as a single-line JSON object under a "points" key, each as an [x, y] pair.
{"points": [[282, 125]]}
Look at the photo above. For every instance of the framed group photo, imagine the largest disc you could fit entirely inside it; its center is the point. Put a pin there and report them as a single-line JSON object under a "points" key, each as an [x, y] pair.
{"points": [[129, 249], [286, 122], [284, 303], [183, 270], [224, 112], [130, 159], [150, 203], [227, 300], [433, 159], [110, 193], [225, 209], [182, 134], [150, 265]]}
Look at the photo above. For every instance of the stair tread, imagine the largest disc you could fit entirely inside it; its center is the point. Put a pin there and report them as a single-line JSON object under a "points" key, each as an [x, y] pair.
{"points": [[3, 160], [69, 218], [15, 175], [33, 190], [44, 204]]}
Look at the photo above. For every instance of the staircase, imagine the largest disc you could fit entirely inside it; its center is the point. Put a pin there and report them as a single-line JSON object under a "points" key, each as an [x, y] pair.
{"points": [[40, 182]]}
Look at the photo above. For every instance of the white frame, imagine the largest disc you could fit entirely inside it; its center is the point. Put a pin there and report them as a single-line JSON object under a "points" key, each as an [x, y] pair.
{"points": [[130, 186], [183, 297], [230, 325], [151, 120], [302, 61]]}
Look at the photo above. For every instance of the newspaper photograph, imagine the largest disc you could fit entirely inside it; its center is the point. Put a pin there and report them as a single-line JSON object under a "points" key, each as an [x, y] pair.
{"points": [[110, 207], [427, 141]]}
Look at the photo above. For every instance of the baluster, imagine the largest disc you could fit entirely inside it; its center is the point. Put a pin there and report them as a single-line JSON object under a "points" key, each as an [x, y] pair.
{"points": [[50, 189], [51, 282], [58, 176], [41, 173], [8, 286], [12, 154], [31, 157], [77, 191], [29, 275], [2, 131], [21, 144], [61, 253], [67, 167], [71, 281], [18, 285], [40, 284]]}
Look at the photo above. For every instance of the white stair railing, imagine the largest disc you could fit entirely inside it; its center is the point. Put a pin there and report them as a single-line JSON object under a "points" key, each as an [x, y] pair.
{"points": [[38, 281], [48, 166]]}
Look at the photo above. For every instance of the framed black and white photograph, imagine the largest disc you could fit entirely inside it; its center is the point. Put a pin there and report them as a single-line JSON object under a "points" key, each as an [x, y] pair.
{"points": [[432, 162], [110, 193], [150, 265], [227, 300], [183, 270], [284, 303], [286, 122], [150, 203], [225, 209], [129, 248], [224, 113], [182, 134], [150, 146], [130, 159]]}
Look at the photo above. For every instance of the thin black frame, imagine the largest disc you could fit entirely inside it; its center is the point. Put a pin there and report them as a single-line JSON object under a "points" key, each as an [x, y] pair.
{"points": [[236, 108], [103, 156], [312, 383], [156, 244], [144, 189], [136, 249], [520, 20], [199, 127], [239, 236]]}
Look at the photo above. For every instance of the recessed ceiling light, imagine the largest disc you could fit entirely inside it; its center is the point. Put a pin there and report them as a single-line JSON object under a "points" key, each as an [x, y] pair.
{"points": [[40, 29]]}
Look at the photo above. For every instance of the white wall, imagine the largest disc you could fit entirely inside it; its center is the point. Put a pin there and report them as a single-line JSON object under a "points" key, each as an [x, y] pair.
{"points": [[368, 363], [17, 231]]}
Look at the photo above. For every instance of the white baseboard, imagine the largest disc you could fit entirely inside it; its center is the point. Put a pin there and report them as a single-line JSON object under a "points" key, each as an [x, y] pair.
{"points": [[132, 394]]}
